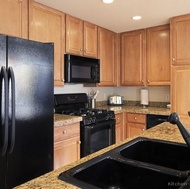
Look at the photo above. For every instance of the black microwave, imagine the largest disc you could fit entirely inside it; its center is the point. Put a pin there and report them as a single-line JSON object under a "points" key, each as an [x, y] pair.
{"points": [[80, 69]]}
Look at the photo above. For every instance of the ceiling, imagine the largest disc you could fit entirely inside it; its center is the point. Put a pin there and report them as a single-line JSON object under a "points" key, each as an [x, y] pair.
{"points": [[117, 16]]}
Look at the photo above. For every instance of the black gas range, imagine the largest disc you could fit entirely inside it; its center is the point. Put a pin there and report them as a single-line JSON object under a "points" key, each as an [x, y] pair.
{"points": [[77, 105], [97, 128]]}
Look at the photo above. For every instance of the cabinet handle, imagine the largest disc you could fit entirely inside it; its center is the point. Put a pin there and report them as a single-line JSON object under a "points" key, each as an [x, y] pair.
{"points": [[79, 142], [148, 81], [135, 118], [64, 132], [142, 81], [81, 49], [173, 59], [84, 50]]}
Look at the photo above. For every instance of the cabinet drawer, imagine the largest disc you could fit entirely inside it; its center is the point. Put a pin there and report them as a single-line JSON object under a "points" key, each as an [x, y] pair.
{"points": [[136, 118], [119, 118], [66, 131]]}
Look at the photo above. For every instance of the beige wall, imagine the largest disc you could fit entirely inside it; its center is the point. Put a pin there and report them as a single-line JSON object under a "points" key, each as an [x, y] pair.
{"points": [[156, 94]]}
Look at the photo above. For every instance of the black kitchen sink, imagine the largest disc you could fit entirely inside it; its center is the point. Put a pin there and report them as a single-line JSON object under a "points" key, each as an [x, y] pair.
{"points": [[140, 163], [167, 154]]}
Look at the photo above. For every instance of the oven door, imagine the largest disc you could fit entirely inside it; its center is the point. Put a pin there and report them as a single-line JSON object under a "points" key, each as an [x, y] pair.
{"points": [[97, 136]]}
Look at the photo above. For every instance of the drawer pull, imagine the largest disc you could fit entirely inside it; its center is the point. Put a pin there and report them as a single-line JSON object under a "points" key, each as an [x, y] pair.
{"points": [[79, 142], [135, 118], [64, 132]]}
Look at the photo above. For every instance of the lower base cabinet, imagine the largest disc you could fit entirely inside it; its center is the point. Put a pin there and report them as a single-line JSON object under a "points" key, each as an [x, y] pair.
{"points": [[135, 124], [66, 144]]}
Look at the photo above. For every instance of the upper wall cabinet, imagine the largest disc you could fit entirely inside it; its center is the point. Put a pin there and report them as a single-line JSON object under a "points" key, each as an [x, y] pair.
{"points": [[145, 57], [47, 25], [158, 55], [180, 40], [81, 37], [14, 18], [133, 58], [107, 53]]}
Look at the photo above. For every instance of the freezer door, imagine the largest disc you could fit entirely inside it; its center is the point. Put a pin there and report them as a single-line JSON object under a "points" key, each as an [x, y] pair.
{"points": [[2, 129], [32, 64]]}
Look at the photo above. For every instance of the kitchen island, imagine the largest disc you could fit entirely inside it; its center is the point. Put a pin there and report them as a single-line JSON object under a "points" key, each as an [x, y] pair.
{"points": [[164, 131]]}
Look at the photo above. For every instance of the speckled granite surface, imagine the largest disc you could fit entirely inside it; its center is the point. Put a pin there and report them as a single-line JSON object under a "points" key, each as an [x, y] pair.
{"points": [[164, 131], [138, 109], [60, 119]]}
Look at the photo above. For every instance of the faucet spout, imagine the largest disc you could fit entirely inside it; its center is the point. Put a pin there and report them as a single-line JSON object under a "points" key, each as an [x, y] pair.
{"points": [[174, 119]]}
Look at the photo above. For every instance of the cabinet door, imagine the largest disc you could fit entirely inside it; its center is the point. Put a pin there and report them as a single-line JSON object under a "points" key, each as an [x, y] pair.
{"points": [[106, 54], [136, 124], [47, 25], [119, 127], [133, 58], [180, 90], [158, 55], [90, 40], [180, 40], [66, 151], [74, 35], [134, 129], [14, 18]]}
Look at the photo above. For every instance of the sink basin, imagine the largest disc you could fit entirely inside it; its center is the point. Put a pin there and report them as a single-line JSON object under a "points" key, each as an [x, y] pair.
{"points": [[140, 163], [163, 153]]}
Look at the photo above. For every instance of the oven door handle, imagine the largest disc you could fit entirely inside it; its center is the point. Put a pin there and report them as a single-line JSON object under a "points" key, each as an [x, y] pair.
{"points": [[102, 125]]}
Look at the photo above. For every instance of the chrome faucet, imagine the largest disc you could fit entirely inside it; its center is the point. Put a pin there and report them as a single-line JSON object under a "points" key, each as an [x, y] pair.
{"points": [[174, 119]]}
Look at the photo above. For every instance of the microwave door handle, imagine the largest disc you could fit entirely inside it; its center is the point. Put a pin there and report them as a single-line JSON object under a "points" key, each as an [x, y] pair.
{"points": [[93, 73]]}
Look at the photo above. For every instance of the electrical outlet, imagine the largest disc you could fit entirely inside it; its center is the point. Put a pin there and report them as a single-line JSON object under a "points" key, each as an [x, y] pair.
{"points": [[167, 96]]}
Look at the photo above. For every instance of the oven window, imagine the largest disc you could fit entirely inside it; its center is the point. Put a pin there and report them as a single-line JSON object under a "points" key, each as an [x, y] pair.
{"points": [[96, 137], [81, 72], [99, 140]]}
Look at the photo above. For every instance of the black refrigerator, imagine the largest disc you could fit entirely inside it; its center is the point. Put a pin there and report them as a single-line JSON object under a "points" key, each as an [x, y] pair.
{"points": [[26, 112]]}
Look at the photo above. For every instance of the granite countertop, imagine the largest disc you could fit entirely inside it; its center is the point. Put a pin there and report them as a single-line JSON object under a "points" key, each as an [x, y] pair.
{"points": [[164, 131], [138, 109], [61, 119]]}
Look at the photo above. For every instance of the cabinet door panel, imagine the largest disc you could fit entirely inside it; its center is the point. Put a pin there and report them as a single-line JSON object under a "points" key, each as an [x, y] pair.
{"points": [[180, 40], [158, 55], [14, 18], [134, 129], [74, 35], [66, 151], [133, 58], [180, 90], [47, 25], [90, 39], [106, 54]]}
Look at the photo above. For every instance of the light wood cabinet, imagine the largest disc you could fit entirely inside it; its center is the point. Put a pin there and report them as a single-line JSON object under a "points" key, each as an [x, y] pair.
{"points": [[145, 57], [119, 127], [180, 40], [180, 58], [81, 37], [66, 144], [107, 53], [158, 55], [180, 100], [133, 58], [14, 18], [135, 124], [47, 25]]}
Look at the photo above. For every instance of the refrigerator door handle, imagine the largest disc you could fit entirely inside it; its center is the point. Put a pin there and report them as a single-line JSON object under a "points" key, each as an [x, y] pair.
{"points": [[11, 80], [4, 110]]}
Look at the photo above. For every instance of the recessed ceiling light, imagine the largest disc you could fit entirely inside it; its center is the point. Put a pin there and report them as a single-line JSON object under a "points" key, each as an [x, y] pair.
{"points": [[107, 1], [136, 17]]}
